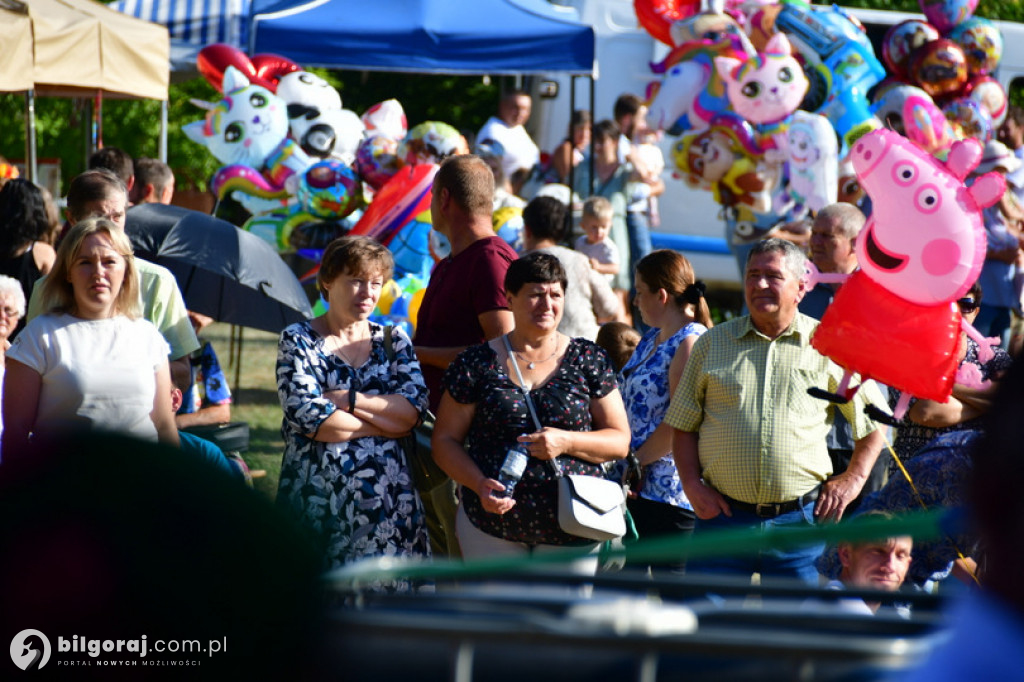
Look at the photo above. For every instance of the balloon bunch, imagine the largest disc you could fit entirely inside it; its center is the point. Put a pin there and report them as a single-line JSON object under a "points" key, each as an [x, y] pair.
{"points": [[945, 64], [758, 93], [302, 169]]}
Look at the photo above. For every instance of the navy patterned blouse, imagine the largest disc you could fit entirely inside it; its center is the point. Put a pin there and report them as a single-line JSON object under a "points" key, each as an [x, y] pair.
{"points": [[501, 415]]}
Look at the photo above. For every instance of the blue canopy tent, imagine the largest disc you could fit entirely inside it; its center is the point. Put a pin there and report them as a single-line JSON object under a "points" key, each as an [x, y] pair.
{"points": [[193, 24], [424, 36]]}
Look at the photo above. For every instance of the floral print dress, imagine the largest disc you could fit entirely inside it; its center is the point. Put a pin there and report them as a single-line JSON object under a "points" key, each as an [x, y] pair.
{"points": [[646, 394], [501, 415], [356, 497]]}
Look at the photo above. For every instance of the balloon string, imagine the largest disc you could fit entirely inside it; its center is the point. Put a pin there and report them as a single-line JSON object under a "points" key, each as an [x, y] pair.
{"points": [[920, 500]]}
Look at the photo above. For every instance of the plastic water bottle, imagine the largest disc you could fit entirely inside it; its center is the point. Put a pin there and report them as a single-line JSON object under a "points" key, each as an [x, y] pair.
{"points": [[512, 470]]}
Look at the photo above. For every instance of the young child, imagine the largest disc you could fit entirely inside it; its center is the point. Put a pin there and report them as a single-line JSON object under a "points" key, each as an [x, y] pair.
{"points": [[619, 340], [595, 244]]}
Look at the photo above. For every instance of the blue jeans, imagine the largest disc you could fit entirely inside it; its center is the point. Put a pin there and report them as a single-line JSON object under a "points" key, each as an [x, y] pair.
{"points": [[791, 562], [639, 232]]}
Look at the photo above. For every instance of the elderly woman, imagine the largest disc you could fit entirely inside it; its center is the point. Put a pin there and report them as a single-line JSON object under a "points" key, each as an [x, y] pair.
{"points": [[483, 414], [347, 398], [12, 309], [672, 303], [90, 362]]}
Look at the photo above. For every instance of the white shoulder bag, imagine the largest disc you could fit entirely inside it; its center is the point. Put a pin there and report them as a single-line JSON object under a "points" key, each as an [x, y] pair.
{"points": [[588, 506]]}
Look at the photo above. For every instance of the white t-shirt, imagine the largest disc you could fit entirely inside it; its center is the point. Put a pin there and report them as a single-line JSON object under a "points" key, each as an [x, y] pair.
{"points": [[97, 374], [520, 150]]}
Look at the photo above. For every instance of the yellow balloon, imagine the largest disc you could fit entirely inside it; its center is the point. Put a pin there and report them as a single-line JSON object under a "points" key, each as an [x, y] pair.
{"points": [[388, 293], [414, 307]]}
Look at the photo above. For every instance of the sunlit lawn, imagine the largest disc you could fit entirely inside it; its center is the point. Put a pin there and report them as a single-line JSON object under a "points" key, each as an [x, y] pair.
{"points": [[255, 399]]}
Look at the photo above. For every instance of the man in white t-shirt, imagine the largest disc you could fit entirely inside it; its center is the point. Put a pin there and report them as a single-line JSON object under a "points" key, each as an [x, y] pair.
{"points": [[521, 153]]}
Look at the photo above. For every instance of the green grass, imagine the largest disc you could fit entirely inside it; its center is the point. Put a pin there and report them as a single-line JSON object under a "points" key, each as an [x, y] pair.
{"points": [[254, 398]]}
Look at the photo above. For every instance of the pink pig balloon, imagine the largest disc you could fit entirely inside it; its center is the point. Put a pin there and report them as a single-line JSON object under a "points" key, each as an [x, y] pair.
{"points": [[922, 248], [925, 240]]}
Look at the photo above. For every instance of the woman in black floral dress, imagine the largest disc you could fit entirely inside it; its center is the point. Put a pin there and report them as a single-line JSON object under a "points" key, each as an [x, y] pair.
{"points": [[483, 413], [344, 476]]}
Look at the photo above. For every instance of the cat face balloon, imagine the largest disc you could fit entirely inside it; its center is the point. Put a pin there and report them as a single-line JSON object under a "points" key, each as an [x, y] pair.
{"points": [[246, 126], [767, 87]]}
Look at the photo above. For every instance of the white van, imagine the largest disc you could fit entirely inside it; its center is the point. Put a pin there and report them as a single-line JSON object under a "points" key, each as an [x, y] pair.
{"points": [[689, 218]]}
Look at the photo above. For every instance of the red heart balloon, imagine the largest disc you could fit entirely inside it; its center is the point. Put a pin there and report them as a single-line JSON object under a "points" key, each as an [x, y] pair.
{"points": [[213, 61], [270, 68]]}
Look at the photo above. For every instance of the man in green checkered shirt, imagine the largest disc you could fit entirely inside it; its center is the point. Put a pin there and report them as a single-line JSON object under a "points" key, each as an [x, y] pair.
{"points": [[750, 443]]}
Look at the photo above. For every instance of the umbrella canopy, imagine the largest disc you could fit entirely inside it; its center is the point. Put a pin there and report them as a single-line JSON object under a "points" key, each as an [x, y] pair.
{"points": [[224, 272]]}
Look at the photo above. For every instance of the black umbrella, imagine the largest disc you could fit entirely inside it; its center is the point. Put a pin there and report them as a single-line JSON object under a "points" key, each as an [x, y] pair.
{"points": [[224, 272]]}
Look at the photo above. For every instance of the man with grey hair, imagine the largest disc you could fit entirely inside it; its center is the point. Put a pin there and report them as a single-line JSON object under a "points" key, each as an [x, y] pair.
{"points": [[833, 235], [749, 442]]}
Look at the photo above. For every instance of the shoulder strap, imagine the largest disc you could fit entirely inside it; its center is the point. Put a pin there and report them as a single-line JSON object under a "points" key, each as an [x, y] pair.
{"points": [[529, 401], [389, 342]]}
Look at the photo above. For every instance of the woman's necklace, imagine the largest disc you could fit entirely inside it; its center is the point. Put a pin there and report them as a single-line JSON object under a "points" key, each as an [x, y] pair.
{"points": [[530, 364]]}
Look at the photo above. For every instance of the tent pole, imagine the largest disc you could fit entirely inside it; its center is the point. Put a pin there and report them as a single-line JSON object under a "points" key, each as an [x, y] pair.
{"points": [[31, 163], [572, 166], [162, 152], [593, 118]]}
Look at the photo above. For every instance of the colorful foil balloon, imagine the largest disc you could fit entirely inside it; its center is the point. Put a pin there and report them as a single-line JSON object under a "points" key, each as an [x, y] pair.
{"points": [[939, 67], [925, 124], [727, 159], [946, 14], [657, 16], [969, 119], [386, 118], [377, 160], [901, 40], [989, 93], [430, 142], [895, 320], [982, 43], [329, 190]]}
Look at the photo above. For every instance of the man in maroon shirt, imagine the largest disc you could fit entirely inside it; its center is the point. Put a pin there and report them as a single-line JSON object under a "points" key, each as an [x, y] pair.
{"points": [[464, 303]]}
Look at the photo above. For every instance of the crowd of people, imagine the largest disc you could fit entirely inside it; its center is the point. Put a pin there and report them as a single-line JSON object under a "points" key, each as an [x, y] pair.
{"points": [[600, 360]]}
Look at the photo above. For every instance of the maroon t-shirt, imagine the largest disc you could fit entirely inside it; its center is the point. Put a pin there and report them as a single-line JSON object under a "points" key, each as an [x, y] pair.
{"points": [[461, 288]]}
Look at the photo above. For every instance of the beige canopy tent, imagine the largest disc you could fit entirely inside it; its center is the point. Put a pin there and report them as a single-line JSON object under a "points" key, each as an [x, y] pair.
{"points": [[79, 48]]}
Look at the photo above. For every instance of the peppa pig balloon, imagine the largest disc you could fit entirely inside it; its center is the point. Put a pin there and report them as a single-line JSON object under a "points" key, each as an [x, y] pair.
{"points": [[982, 43], [939, 67], [945, 14], [895, 320], [901, 40]]}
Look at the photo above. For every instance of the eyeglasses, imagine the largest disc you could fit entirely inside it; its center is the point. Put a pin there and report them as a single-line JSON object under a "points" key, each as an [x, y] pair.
{"points": [[967, 305]]}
